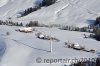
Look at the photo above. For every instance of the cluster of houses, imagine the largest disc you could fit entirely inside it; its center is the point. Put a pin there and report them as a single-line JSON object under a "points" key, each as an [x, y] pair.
{"points": [[46, 37], [83, 29], [38, 35], [25, 29], [68, 44], [76, 46]]}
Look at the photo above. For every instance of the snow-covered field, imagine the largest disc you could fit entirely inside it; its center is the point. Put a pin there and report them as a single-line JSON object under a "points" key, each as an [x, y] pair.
{"points": [[22, 49]]}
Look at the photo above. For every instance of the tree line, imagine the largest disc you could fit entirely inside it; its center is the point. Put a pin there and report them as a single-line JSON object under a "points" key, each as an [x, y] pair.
{"points": [[74, 28], [30, 10], [10, 23], [33, 24], [97, 29], [38, 6], [30, 24]]}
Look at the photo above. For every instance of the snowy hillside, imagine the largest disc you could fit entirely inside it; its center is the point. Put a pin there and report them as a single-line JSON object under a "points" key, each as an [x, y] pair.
{"points": [[10, 8], [70, 12]]}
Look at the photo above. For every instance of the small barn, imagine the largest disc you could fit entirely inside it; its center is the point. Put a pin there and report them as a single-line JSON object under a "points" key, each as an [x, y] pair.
{"points": [[25, 29]]}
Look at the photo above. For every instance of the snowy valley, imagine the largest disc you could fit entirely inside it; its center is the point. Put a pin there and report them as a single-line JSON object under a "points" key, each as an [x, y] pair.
{"points": [[48, 35]]}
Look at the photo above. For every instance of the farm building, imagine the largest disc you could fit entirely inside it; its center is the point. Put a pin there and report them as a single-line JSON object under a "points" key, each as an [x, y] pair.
{"points": [[25, 29]]}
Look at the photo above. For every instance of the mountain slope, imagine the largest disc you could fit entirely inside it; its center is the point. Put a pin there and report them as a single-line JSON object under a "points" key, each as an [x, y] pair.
{"points": [[10, 8], [69, 12]]}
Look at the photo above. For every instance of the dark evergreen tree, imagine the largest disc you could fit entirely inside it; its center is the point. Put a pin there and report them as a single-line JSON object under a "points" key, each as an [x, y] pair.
{"points": [[98, 62], [0, 22], [97, 20], [97, 33], [25, 13], [43, 3], [32, 24], [17, 24], [30, 9], [21, 24], [48, 2]]}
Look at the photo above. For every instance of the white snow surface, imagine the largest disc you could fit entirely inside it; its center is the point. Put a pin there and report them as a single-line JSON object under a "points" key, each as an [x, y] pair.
{"points": [[22, 49], [10, 8], [3, 2], [68, 12]]}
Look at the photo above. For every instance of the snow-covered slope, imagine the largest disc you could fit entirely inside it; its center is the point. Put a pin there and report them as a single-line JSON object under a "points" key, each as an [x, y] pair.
{"points": [[2, 47], [23, 49], [70, 12], [10, 8], [3, 2]]}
